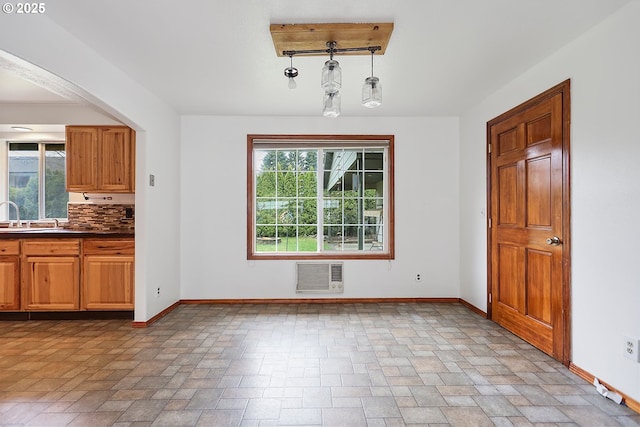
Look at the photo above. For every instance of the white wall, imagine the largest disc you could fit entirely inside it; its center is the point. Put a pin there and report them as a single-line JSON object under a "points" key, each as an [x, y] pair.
{"points": [[604, 67], [41, 42], [213, 224]]}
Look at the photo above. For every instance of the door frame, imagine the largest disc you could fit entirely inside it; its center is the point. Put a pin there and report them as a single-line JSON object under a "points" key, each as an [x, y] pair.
{"points": [[563, 89]]}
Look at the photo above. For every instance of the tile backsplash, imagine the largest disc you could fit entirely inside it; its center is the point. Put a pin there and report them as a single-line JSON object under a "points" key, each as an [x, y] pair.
{"points": [[101, 217]]}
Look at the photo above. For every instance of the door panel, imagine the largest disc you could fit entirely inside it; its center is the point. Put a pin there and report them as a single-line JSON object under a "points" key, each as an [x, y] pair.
{"points": [[528, 197], [508, 294], [508, 187], [538, 290], [539, 192]]}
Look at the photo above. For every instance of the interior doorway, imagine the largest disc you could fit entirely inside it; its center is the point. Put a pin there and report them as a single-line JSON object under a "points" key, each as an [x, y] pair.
{"points": [[529, 221]]}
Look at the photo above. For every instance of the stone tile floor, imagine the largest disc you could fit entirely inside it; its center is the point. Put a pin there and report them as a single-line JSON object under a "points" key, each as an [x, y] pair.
{"points": [[290, 365]]}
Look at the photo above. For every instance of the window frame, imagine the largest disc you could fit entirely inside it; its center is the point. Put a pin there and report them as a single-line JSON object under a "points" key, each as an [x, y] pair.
{"points": [[337, 141], [42, 152]]}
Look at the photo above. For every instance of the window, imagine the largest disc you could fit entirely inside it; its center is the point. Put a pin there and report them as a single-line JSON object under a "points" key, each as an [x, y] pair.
{"points": [[37, 180], [317, 196]]}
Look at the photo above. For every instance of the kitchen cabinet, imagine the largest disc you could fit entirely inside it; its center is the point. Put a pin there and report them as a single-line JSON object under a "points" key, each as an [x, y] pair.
{"points": [[9, 274], [100, 159], [51, 274], [108, 274]]}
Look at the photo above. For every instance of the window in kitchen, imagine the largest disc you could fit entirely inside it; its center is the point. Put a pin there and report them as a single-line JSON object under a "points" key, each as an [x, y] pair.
{"points": [[318, 196], [37, 180]]}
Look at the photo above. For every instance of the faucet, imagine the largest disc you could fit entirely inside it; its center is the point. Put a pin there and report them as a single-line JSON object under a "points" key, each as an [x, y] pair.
{"points": [[56, 223], [9, 202]]}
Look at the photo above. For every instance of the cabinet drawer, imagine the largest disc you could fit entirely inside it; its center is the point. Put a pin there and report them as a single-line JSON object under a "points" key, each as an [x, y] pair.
{"points": [[51, 247], [9, 247], [109, 246]]}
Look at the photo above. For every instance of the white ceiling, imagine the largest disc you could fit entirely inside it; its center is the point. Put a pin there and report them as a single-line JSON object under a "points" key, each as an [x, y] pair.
{"points": [[217, 57]]}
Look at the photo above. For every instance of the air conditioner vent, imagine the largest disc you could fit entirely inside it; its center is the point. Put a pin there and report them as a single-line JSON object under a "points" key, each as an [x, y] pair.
{"points": [[319, 277], [336, 273]]}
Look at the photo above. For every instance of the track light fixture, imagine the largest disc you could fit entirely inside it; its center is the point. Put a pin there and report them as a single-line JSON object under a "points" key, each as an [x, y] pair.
{"points": [[334, 39]]}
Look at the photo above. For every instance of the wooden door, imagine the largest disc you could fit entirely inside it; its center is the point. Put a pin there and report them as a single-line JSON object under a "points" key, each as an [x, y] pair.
{"points": [[115, 159], [529, 232], [82, 158]]}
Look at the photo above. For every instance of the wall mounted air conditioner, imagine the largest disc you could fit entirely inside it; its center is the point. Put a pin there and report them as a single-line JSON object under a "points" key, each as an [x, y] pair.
{"points": [[314, 277]]}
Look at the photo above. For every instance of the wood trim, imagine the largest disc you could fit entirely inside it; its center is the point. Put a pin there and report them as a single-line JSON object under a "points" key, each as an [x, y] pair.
{"points": [[320, 301], [392, 203], [318, 137], [587, 376], [563, 88], [249, 193], [343, 140], [473, 308], [144, 324], [315, 36], [488, 220]]}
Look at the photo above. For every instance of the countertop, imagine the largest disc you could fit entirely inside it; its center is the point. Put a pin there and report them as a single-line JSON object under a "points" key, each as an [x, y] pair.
{"points": [[30, 233]]}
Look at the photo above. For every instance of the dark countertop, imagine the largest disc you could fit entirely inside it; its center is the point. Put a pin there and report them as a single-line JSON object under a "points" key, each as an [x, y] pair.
{"points": [[30, 233]]}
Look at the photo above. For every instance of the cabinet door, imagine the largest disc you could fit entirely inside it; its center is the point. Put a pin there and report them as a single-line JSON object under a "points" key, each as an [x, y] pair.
{"points": [[9, 282], [82, 158], [108, 282], [51, 283], [115, 160]]}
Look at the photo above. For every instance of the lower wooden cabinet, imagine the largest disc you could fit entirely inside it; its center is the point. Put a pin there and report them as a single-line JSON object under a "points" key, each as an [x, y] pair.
{"points": [[9, 274], [108, 274], [51, 274], [51, 283], [67, 274], [108, 283]]}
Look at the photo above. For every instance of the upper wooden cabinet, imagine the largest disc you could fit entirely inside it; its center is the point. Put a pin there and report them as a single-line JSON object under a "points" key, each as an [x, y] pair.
{"points": [[100, 159]]}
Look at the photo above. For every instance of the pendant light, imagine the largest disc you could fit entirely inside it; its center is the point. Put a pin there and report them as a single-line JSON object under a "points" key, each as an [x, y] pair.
{"points": [[331, 104], [331, 82], [291, 72], [371, 90], [331, 79]]}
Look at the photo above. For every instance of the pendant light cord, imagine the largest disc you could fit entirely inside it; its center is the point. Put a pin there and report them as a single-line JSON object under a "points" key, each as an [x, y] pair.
{"points": [[372, 50]]}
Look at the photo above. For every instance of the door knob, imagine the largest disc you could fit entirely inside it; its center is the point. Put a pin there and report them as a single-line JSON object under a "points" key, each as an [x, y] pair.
{"points": [[554, 241]]}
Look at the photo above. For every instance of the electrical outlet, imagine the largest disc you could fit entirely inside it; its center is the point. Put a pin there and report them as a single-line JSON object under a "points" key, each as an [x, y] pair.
{"points": [[631, 348], [418, 277], [158, 292]]}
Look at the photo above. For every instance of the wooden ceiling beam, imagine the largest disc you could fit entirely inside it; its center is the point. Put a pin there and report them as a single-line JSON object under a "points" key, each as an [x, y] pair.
{"points": [[290, 37]]}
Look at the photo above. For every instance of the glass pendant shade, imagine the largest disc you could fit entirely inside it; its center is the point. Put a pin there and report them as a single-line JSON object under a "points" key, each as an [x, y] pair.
{"points": [[331, 104], [371, 92], [292, 83], [331, 76]]}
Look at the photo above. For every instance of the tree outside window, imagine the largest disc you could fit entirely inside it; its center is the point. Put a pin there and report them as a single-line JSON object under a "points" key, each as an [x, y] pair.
{"points": [[37, 180]]}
